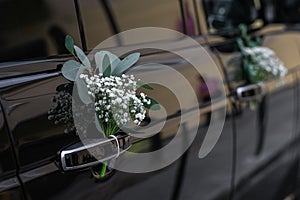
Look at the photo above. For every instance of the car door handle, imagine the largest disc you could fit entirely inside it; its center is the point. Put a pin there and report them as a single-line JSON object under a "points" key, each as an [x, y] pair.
{"points": [[251, 92], [92, 152]]}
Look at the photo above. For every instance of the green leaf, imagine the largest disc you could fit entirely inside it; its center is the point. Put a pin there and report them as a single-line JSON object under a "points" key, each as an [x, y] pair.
{"points": [[250, 42], [258, 41], [154, 105], [240, 43], [81, 71], [69, 43], [99, 60], [70, 70], [83, 92], [106, 66], [82, 57], [126, 63], [144, 85], [243, 30], [99, 56]]}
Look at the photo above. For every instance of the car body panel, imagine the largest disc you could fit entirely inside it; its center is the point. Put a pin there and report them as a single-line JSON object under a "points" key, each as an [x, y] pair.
{"points": [[10, 186], [265, 128], [255, 151]]}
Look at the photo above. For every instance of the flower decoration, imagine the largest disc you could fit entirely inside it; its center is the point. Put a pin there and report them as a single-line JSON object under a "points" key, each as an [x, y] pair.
{"points": [[263, 64], [258, 63], [106, 87], [113, 93]]}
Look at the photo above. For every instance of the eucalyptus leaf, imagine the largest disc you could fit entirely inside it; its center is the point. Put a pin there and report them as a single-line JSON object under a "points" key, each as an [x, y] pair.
{"points": [[83, 92], [69, 43], [81, 70], [70, 70], [250, 43], [144, 85], [82, 57], [240, 43], [154, 105], [99, 60], [99, 56], [243, 30], [258, 41], [106, 66], [126, 63]]}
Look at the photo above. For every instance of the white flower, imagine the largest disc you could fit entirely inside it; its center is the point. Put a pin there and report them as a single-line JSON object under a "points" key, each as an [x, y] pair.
{"points": [[82, 76], [116, 98], [267, 61]]}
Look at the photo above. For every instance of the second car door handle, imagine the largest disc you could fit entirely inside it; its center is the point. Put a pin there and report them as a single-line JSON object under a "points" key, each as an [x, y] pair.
{"points": [[251, 92]]}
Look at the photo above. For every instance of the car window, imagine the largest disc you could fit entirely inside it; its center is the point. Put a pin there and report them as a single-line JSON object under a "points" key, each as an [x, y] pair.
{"points": [[286, 11], [35, 29], [224, 15], [127, 14], [155, 13], [96, 24]]}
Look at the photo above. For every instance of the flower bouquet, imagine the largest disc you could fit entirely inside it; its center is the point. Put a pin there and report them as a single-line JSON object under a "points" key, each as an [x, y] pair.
{"points": [[258, 63], [112, 94]]}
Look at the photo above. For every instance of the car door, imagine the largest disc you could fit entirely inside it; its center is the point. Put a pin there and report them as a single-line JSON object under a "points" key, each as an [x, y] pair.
{"points": [[265, 128], [210, 176], [10, 186], [276, 117], [196, 177], [30, 92], [289, 23], [28, 100], [281, 43]]}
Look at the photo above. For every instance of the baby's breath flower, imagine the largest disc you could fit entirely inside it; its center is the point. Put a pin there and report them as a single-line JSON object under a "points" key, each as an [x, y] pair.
{"points": [[265, 62], [116, 99]]}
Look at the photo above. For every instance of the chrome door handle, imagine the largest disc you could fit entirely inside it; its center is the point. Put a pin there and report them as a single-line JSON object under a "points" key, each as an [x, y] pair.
{"points": [[94, 152], [251, 92]]}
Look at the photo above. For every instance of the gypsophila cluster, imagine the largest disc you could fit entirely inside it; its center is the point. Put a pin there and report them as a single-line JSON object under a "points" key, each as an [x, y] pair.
{"points": [[116, 101], [265, 62], [61, 111]]}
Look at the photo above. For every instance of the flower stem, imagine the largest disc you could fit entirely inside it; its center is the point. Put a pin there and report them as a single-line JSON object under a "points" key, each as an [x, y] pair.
{"points": [[103, 170], [110, 129]]}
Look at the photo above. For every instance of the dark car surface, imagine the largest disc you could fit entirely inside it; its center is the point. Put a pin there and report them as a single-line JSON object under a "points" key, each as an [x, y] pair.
{"points": [[257, 154]]}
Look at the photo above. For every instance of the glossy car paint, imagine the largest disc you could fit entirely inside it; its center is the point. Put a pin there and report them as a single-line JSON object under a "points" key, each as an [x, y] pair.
{"points": [[28, 99], [255, 150], [10, 187], [266, 133]]}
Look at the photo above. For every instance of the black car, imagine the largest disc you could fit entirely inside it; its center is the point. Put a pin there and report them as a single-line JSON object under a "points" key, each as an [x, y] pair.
{"points": [[256, 156]]}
